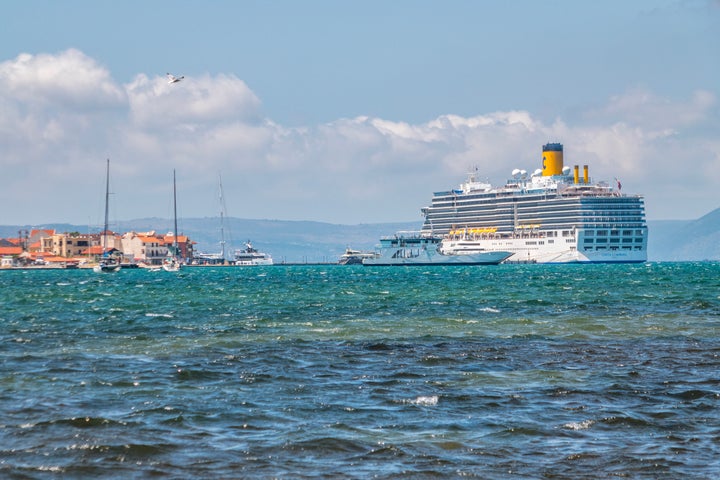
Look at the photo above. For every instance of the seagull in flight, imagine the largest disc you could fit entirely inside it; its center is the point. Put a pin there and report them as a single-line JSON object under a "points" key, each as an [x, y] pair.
{"points": [[173, 79]]}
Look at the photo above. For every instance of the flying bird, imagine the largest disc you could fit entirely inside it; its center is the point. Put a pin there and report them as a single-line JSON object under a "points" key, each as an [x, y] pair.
{"points": [[173, 79]]}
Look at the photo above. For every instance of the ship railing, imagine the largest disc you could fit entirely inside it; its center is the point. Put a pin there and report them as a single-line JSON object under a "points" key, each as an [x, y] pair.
{"points": [[472, 233], [408, 234]]}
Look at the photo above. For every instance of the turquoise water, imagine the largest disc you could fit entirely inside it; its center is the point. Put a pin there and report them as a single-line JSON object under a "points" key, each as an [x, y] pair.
{"points": [[525, 371]]}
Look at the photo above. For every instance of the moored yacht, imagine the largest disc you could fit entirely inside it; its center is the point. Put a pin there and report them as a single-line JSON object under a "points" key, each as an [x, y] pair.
{"points": [[249, 256], [355, 257]]}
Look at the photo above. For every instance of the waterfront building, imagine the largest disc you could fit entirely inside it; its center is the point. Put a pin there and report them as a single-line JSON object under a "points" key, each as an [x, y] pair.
{"points": [[146, 247], [184, 245], [67, 244]]}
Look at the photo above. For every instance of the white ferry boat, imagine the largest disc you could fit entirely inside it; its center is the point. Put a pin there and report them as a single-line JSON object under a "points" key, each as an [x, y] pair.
{"points": [[554, 215], [414, 248], [251, 257]]}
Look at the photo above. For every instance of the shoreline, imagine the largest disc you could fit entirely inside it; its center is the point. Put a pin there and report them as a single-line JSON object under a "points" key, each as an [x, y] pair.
{"points": [[137, 267]]}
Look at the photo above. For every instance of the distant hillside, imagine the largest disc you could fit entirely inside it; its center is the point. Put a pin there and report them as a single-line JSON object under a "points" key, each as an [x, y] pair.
{"points": [[306, 241], [685, 240]]}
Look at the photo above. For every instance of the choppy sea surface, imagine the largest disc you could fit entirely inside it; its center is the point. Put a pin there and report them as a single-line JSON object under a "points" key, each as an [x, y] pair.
{"points": [[511, 371]]}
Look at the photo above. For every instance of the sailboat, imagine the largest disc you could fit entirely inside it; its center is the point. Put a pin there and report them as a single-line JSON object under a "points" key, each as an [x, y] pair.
{"points": [[171, 262], [107, 263], [221, 257], [248, 256]]}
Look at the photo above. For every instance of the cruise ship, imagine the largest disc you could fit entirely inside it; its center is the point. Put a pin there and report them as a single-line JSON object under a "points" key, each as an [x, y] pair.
{"points": [[554, 215]]}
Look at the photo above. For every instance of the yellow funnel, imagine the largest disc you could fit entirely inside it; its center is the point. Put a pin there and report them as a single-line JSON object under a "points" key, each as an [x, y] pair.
{"points": [[552, 159]]}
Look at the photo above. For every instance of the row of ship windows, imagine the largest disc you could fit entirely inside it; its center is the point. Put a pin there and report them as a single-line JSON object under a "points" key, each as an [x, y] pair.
{"points": [[612, 240], [554, 233], [541, 210], [613, 233], [636, 247], [500, 216], [532, 242], [612, 224], [598, 210], [493, 198], [565, 233]]}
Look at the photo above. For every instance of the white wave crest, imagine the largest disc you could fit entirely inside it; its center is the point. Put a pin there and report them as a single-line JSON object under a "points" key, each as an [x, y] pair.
{"points": [[428, 400], [584, 425]]}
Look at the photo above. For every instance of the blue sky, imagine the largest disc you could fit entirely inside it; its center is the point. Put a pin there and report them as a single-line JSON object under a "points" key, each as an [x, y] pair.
{"points": [[349, 112]]}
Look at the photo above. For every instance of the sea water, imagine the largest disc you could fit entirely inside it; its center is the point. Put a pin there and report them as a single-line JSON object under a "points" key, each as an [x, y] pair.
{"points": [[510, 371]]}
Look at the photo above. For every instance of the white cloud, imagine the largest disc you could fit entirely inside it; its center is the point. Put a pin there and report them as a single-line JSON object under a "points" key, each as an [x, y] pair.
{"points": [[55, 106], [658, 143], [63, 114], [69, 80], [195, 103], [645, 108]]}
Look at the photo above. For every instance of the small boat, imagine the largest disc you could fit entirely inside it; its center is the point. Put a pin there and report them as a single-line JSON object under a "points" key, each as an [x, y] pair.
{"points": [[413, 248], [171, 262], [355, 257], [251, 257], [107, 264]]}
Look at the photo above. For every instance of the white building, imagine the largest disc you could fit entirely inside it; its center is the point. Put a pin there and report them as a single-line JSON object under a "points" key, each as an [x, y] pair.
{"points": [[145, 247]]}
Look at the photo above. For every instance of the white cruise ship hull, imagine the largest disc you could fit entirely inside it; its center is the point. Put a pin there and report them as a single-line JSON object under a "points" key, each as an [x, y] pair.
{"points": [[615, 257], [574, 256], [551, 247]]}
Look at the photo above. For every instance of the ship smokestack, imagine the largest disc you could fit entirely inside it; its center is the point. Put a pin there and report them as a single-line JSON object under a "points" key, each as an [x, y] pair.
{"points": [[576, 174], [586, 177], [552, 159]]}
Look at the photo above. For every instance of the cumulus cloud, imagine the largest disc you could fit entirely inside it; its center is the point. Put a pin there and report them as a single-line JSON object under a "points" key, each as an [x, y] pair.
{"points": [[55, 105], [69, 80], [661, 144], [195, 103], [63, 114]]}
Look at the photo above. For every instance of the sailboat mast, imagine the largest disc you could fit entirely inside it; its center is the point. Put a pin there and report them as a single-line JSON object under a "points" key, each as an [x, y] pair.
{"points": [[222, 221], [175, 233], [107, 206]]}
